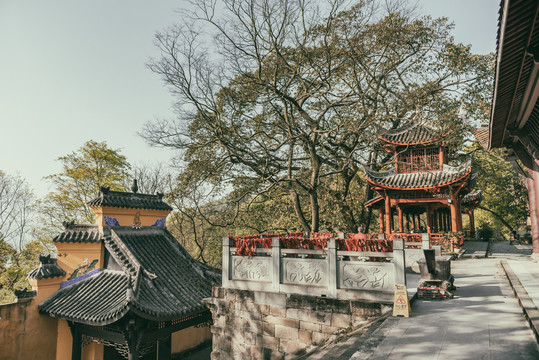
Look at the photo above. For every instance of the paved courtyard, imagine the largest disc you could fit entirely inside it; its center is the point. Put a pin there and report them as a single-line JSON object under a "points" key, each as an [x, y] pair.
{"points": [[482, 321]]}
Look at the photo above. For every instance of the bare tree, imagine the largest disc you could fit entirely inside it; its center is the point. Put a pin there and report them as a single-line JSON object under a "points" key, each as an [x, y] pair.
{"points": [[17, 207], [278, 93]]}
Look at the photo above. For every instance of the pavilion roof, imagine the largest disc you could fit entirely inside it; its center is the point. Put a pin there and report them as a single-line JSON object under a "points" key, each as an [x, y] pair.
{"points": [[129, 200], [158, 280], [472, 198], [415, 133], [419, 180]]}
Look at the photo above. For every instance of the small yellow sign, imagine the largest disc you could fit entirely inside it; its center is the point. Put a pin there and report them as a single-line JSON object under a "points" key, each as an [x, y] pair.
{"points": [[401, 303]]}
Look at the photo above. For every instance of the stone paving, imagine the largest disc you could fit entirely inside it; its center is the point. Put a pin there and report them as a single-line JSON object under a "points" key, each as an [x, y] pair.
{"points": [[475, 249], [482, 321]]}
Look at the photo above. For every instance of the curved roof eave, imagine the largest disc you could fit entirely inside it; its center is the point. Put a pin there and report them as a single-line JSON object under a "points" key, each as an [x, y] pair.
{"points": [[370, 181]]}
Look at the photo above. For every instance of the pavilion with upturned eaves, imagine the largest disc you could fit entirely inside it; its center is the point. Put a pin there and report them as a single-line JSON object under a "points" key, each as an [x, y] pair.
{"points": [[422, 190]]}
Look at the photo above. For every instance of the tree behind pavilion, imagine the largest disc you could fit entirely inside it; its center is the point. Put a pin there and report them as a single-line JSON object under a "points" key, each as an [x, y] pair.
{"points": [[287, 94]]}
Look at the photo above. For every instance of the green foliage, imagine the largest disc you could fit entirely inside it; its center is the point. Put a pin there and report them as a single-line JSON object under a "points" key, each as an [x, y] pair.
{"points": [[505, 198], [485, 232], [83, 173], [15, 265], [295, 112]]}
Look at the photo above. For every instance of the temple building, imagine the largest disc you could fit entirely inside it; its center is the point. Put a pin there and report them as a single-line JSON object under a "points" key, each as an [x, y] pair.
{"points": [[123, 288], [422, 190]]}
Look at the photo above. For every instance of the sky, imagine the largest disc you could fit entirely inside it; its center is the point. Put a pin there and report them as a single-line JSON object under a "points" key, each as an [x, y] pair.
{"points": [[74, 70]]}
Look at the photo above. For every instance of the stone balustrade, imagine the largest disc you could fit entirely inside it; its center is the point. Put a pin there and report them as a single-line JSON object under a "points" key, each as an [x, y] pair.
{"points": [[331, 273]]}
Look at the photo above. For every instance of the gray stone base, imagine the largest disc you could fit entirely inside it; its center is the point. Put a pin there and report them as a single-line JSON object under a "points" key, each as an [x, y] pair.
{"points": [[265, 325]]}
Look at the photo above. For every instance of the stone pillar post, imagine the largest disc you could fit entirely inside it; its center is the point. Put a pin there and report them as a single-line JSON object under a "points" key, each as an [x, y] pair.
{"points": [[276, 264], [332, 268], [425, 241], [399, 261], [226, 262]]}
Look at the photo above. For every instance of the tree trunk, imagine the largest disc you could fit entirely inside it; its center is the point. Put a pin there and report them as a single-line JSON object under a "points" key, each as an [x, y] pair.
{"points": [[498, 216], [315, 211], [299, 212]]}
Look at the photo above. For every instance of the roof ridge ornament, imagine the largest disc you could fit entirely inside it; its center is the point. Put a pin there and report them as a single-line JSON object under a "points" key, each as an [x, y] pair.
{"points": [[68, 224], [134, 187]]}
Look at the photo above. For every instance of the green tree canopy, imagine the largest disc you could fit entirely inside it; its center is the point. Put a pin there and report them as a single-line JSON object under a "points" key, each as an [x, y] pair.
{"points": [[505, 198], [83, 173], [290, 93]]}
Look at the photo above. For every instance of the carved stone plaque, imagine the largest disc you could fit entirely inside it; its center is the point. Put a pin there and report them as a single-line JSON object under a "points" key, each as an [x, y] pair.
{"points": [[305, 272], [367, 276], [257, 269]]}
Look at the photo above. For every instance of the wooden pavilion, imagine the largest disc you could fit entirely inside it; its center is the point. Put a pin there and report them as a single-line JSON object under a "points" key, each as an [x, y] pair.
{"points": [[425, 193]]}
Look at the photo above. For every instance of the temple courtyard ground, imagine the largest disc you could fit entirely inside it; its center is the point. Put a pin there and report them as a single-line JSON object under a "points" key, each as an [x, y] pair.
{"points": [[484, 320]]}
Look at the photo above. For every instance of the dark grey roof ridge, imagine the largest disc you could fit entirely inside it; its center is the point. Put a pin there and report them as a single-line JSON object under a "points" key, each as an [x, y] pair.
{"points": [[48, 268]]}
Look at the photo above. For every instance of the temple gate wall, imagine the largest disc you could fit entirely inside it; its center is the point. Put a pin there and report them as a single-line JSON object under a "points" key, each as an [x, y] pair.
{"points": [[26, 334], [190, 338]]}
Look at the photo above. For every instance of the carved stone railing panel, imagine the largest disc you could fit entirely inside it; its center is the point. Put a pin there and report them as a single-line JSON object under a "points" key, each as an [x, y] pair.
{"points": [[366, 276], [316, 273], [305, 272], [255, 268]]}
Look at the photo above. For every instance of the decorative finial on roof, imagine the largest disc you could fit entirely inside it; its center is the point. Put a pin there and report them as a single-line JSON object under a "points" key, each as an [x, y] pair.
{"points": [[105, 189], [134, 187], [69, 224]]}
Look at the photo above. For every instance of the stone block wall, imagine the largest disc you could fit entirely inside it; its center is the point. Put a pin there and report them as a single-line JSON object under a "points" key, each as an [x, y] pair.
{"points": [[266, 325]]}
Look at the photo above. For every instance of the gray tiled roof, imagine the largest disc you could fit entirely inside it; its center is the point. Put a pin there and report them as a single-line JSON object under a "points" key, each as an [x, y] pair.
{"points": [[129, 200], [48, 268], [167, 282], [79, 233], [414, 133], [471, 197], [428, 179], [98, 300]]}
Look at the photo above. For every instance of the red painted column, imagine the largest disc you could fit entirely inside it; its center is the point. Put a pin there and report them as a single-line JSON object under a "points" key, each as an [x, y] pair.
{"points": [[401, 227], [459, 215], [429, 219], [453, 208], [435, 221], [388, 214], [381, 219]]}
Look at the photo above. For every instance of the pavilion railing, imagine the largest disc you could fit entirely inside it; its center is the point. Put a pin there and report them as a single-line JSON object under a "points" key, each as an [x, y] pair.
{"points": [[330, 272]]}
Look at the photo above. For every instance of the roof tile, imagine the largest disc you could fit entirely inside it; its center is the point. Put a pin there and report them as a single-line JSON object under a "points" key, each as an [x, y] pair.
{"points": [[391, 179], [129, 200]]}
